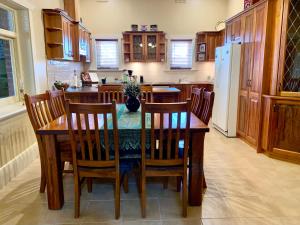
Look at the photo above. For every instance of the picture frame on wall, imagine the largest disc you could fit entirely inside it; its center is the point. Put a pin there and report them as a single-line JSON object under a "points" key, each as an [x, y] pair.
{"points": [[201, 57], [202, 47]]}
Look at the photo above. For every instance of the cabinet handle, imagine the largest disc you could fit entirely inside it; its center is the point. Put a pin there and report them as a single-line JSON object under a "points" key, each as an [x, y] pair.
{"points": [[275, 107], [250, 83]]}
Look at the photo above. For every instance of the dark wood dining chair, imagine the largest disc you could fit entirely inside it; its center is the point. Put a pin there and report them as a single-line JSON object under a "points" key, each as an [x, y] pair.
{"points": [[40, 114], [89, 130], [147, 93], [57, 100], [207, 106], [197, 96], [165, 160], [107, 93]]}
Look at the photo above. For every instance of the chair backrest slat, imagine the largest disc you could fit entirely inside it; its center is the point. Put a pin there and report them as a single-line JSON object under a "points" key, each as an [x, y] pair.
{"points": [[207, 106], [86, 130], [39, 110], [197, 100], [162, 116], [57, 100], [107, 93], [147, 93]]}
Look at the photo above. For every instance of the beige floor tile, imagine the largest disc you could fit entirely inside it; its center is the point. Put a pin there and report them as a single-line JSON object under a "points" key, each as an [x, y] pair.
{"points": [[131, 209], [171, 208], [250, 207], [215, 208], [98, 211], [224, 221], [182, 222], [290, 220], [260, 221], [142, 222]]}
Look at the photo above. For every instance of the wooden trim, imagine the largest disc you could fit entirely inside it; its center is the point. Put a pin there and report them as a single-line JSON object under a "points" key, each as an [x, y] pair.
{"points": [[285, 155], [290, 94]]}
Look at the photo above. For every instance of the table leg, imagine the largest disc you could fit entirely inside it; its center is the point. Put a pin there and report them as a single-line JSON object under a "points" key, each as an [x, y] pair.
{"points": [[55, 194], [196, 168]]}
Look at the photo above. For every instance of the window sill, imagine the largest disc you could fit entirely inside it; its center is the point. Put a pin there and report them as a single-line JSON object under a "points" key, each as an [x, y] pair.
{"points": [[11, 110], [106, 70]]}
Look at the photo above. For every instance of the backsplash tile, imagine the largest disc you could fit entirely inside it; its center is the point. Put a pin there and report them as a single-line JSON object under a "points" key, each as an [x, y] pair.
{"points": [[62, 71]]}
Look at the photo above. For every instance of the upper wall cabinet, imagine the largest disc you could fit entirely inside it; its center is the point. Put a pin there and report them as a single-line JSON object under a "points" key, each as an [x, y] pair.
{"points": [[144, 46], [233, 30], [206, 43], [65, 39], [59, 35]]}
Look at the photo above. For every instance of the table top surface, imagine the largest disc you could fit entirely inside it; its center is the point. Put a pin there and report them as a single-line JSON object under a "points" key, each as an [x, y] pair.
{"points": [[126, 121]]}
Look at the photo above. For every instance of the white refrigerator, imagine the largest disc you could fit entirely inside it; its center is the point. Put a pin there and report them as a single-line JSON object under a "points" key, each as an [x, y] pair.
{"points": [[226, 87]]}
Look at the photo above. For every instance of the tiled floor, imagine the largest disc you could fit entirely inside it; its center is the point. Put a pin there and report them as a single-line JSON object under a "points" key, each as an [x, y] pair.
{"points": [[244, 188]]}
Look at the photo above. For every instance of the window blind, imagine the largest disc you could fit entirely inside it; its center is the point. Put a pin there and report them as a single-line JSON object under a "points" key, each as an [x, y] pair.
{"points": [[107, 54], [181, 54]]}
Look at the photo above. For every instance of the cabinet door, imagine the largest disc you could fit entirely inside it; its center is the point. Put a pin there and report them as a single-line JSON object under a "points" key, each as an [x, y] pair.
{"points": [[65, 33], [88, 47], [211, 41], [236, 30], [245, 72], [256, 77], [286, 127], [151, 48], [137, 51], [71, 34], [228, 32]]}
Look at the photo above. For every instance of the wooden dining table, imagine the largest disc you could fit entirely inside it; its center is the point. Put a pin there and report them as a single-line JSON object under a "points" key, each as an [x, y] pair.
{"points": [[59, 126]]}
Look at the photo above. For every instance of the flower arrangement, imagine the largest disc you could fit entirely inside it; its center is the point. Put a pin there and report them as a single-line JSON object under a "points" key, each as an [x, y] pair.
{"points": [[132, 90]]}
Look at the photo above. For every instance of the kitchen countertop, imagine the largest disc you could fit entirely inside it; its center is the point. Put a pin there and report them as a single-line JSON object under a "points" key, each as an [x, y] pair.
{"points": [[94, 89]]}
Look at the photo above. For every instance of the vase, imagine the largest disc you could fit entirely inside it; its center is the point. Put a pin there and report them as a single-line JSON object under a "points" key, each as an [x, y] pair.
{"points": [[132, 104]]}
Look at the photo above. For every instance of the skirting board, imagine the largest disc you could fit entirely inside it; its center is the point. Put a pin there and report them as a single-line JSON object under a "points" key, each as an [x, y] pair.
{"points": [[18, 164]]}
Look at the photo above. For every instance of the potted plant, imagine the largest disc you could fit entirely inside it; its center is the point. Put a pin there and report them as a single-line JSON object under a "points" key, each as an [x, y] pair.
{"points": [[132, 91]]}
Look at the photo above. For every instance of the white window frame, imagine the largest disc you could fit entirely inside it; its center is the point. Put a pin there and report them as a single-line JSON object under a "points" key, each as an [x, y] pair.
{"points": [[118, 53], [181, 38], [11, 36]]}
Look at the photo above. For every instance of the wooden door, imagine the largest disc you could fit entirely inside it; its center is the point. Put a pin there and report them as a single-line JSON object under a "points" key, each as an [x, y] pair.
{"points": [[286, 127], [256, 77], [245, 72], [137, 47]]}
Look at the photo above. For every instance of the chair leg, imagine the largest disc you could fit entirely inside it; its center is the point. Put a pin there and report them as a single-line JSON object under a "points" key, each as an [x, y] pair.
{"points": [[143, 195], [184, 195], [178, 189], [125, 183], [77, 196], [166, 181], [204, 182], [117, 198], [43, 182], [62, 166], [89, 184]]}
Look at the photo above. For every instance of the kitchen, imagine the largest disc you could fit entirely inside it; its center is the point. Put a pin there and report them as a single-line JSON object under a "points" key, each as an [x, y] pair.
{"points": [[174, 48]]}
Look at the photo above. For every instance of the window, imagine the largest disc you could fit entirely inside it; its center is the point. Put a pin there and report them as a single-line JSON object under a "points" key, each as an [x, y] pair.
{"points": [[181, 54], [107, 54], [7, 60]]}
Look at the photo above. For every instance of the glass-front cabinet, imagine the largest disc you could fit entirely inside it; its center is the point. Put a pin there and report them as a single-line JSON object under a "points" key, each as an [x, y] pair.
{"points": [[144, 46], [151, 49], [138, 48], [289, 68]]}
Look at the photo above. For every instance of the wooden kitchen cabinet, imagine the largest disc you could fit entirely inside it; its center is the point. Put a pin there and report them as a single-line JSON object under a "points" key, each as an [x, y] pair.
{"points": [[59, 35], [253, 29], [210, 40], [65, 39], [281, 128], [233, 30], [84, 43], [144, 46]]}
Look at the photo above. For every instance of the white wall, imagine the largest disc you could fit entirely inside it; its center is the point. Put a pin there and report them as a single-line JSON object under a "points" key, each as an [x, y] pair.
{"points": [[116, 16], [234, 7]]}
